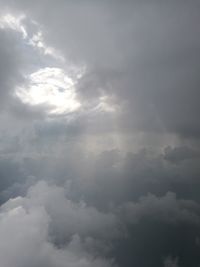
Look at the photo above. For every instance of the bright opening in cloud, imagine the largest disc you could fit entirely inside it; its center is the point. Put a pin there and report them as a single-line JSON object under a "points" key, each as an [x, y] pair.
{"points": [[50, 87]]}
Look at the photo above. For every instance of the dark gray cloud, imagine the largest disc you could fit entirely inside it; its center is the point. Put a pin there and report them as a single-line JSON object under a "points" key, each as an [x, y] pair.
{"points": [[179, 154], [166, 208], [10, 64]]}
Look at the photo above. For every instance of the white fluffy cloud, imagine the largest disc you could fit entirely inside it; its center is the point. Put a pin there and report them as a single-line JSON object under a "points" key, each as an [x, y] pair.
{"points": [[24, 230]]}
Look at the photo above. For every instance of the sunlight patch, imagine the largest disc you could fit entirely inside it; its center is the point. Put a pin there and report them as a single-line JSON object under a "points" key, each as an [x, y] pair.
{"points": [[50, 87]]}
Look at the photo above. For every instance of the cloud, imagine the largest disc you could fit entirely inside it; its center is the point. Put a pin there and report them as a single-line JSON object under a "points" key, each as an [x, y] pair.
{"points": [[178, 154], [70, 218], [167, 209], [10, 64], [117, 177], [146, 73], [132, 50], [25, 225], [171, 262]]}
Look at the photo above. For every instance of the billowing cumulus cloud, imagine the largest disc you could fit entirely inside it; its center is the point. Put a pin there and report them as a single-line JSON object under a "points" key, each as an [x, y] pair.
{"points": [[25, 227]]}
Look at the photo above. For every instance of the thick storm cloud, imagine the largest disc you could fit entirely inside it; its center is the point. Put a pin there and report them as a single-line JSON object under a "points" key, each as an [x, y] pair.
{"points": [[99, 133]]}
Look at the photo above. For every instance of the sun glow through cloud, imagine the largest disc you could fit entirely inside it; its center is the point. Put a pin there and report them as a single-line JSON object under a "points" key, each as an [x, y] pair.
{"points": [[50, 87]]}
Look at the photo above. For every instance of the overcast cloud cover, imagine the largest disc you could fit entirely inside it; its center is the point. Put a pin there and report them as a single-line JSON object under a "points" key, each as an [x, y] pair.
{"points": [[99, 133]]}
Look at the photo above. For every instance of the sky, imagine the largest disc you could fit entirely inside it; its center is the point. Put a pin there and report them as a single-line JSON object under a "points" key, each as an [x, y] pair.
{"points": [[99, 133]]}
